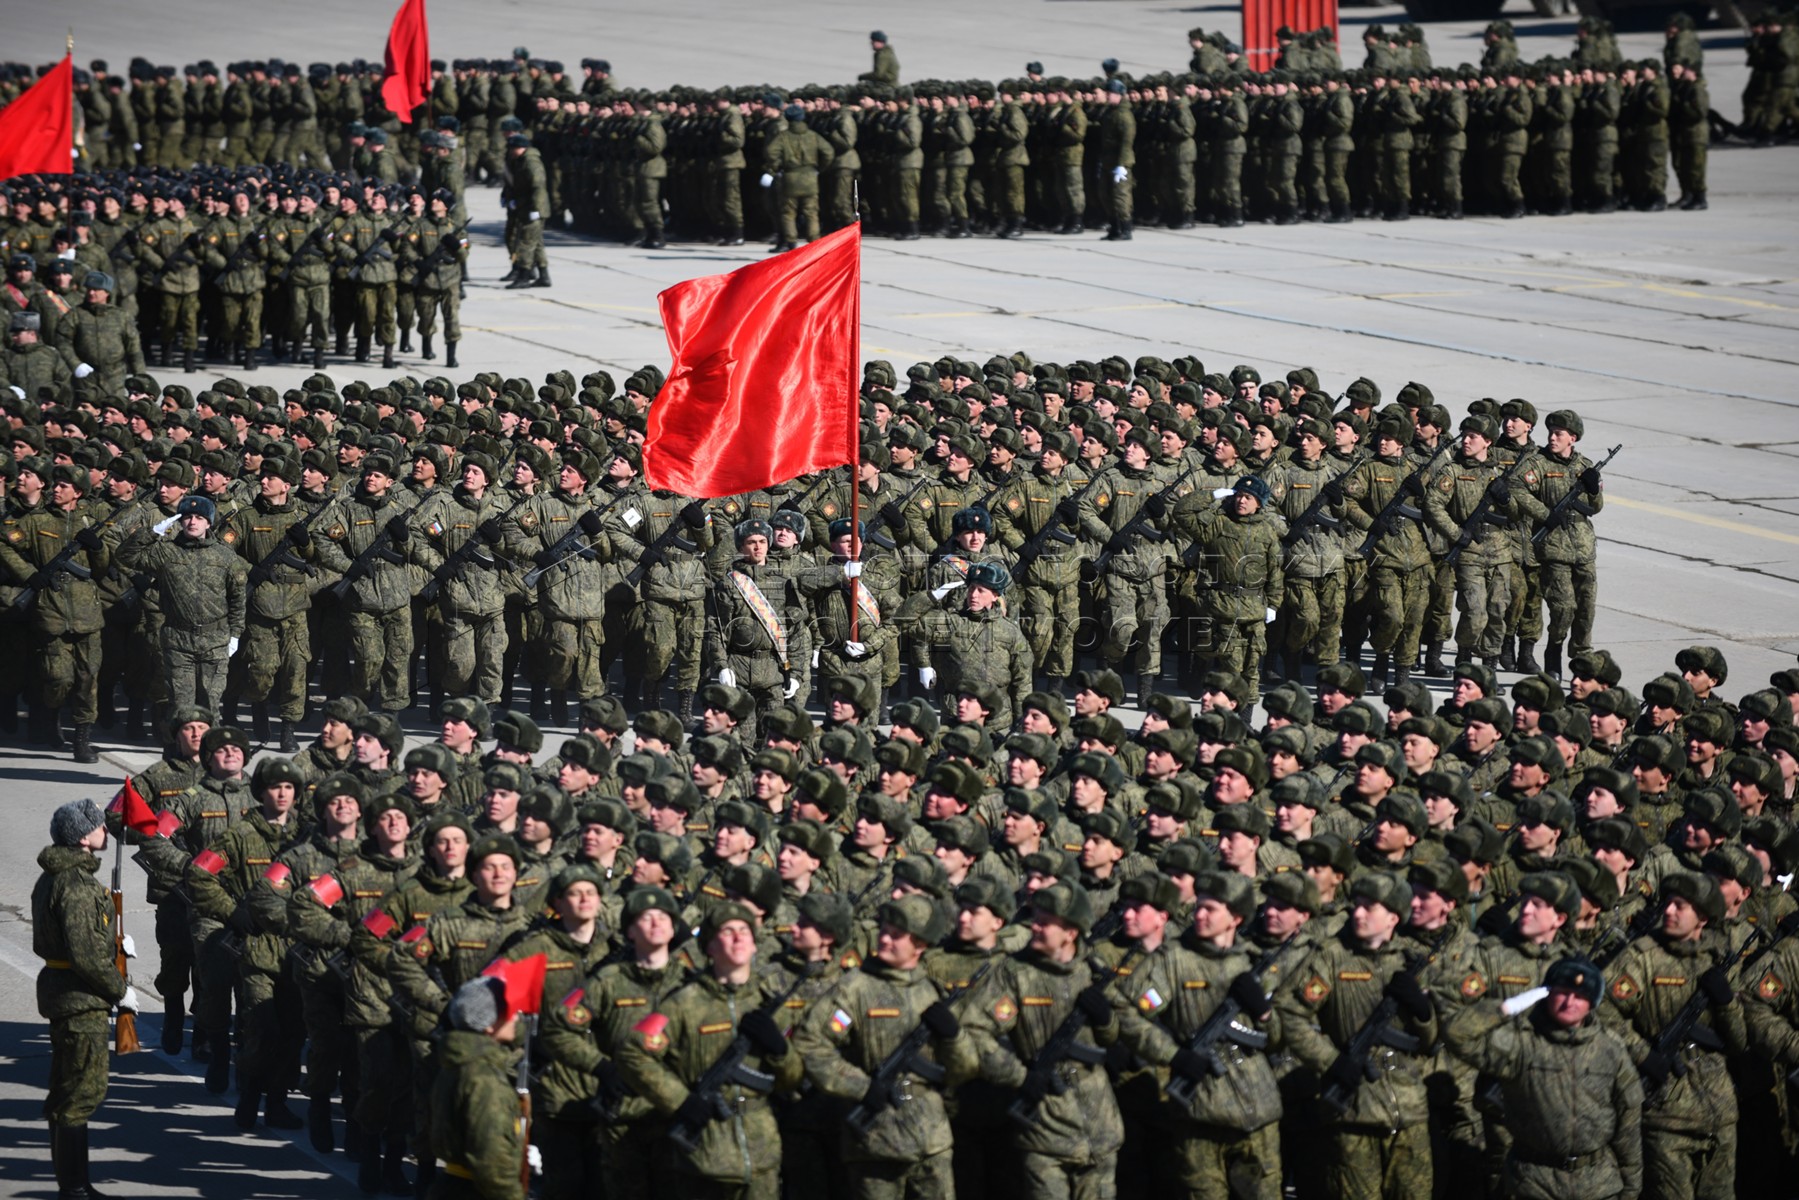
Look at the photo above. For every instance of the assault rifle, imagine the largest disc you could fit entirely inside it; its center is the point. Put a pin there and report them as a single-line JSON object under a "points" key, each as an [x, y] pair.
{"points": [[1063, 1044], [303, 250], [431, 261], [728, 1068], [473, 549], [125, 1025], [1222, 1026], [1315, 513], [1483, 513], [1396, 508], [1139, 525], [1685, 1028], [286, 554], [360, 565], [1571, 500], [889, 514], [907, 1059], [1378, 1030], [671, 536], [572, 543], [1052, 529], [64, 563]]}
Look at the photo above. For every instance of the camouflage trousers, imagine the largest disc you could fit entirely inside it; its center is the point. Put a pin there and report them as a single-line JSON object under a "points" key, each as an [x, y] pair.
{"points": [[384, 1097], [1482, 593], [79, 1059], [1380, 1165], [181, 316], [275, 656], [764, 1185], [381, 650], [175, 948], [1010, 192], [725, 200], [473, 654], [268, 1014], [673, 636], [330, 1044], [192, 676], [1524, 616], [527, 247], [1071, 191], [309, 308], [1242, 1166], [905, 195], [243, 318], [449, 303], [838, 188], [1572, 592], [571, 656], [69, 673], [1240, 646], [215, 979], [1679, 1166], [1312, 617], [1115, 197], [1136, 610], [1439, 613], [375, 312], [1047, 1178], [573, 1158], [1397, 601], [929, 1178], [1048, 616]]}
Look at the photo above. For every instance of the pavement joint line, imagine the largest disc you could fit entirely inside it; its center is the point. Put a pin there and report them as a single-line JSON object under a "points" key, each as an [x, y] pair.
{"points": [[1663, 510]]}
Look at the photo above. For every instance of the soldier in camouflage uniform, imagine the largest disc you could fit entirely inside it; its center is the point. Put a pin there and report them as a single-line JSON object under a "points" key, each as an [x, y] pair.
{"points": [[372, 527], [79, 983]]}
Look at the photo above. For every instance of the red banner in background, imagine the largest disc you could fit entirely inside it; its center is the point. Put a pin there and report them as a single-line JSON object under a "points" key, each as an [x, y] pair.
{"points": [[1262, 17]]}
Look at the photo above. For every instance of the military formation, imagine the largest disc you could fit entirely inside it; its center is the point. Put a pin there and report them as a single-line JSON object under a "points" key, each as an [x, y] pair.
{"points": [[1312, 139], [849, 879]]}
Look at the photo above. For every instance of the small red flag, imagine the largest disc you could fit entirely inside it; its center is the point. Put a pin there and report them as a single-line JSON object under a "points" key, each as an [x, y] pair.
{"points": [[133, 811], [408, 78], [765, 375], [326, 890], [37, 131], [524, 982], [379, 923]]}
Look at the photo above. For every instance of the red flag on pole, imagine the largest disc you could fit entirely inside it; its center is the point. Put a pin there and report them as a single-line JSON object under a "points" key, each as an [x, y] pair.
{"points": [[764, 382], [408, 78], [134, 813], [37, 131], [524, 982]]}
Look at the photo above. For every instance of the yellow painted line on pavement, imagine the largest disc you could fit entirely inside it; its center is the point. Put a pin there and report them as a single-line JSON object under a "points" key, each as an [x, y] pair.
{"points": [[1663, 510], [1689, 294]]}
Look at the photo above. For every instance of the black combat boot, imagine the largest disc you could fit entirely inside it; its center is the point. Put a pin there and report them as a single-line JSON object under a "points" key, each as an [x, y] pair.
{"points": [[362, 349], [421, 1184], [449, 356], [318, 358], [218, 1068], [1552, 661], [249, 1103], [1145, 685], [290, 741], [343, 342], [1433, 659], [1527, 657], [259, 722], [387, 356], [426, 351], [249, 358], [1402, 674], [167, 352], [523, 280], [318, 1124], [653, 240], [393, 1166], [187, 360], [733, 236], [1377, 678], [368, 1174], [277, 1115], [68, 1150], [84, 745], [1508, 654], [1698, 203], [405, 341], [174, 1016], [558, 706]]}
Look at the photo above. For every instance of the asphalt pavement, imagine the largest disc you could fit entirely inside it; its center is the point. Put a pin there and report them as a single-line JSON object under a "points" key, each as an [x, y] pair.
{"points": [[1672, 333]]}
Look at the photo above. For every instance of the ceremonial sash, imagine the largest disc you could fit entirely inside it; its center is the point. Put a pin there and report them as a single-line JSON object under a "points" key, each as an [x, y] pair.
{"points": [[765, 612], [865, 602]]}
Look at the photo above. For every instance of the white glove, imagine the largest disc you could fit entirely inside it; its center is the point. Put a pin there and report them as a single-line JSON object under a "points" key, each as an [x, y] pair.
{"points": [[128, 946], [231, 648], [768, 180], [533, 216], [83, 371], [856, 649], [927, 676], [137, 145], [815, 660], [790, 689], [1523, 1001], [727, 676], [851, 569], [162, 527], [16, 390], [938, 593], [534, 1156], [1269, 619], [1119, 174], [128, 1002], [1221, 493]]}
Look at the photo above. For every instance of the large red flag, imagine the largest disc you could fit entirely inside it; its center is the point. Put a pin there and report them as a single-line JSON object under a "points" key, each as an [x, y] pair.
{"points": [[408, 79], [764, 383], [134, 812], [37, 131], [524, 982]]}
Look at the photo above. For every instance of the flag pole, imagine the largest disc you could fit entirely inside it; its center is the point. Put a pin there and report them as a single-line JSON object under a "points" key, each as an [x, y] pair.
{"points": [[856, 467]]}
